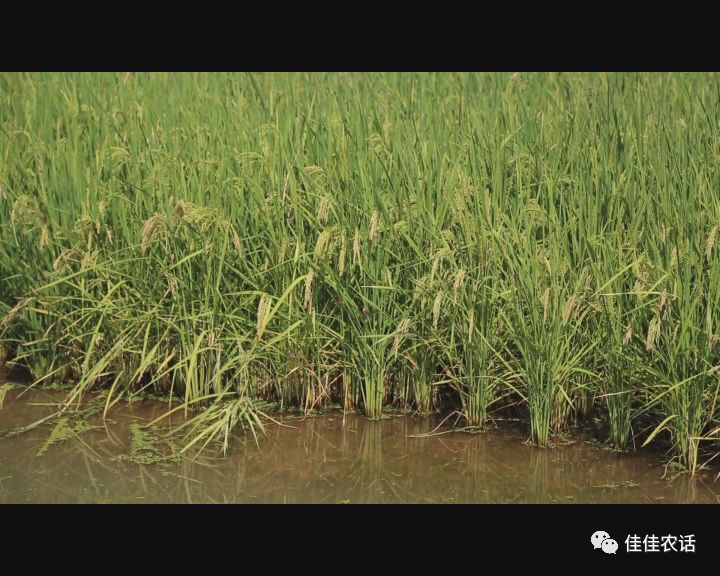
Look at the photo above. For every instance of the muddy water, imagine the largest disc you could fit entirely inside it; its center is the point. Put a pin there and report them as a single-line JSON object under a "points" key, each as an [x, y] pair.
{"points": [[323, 460]]}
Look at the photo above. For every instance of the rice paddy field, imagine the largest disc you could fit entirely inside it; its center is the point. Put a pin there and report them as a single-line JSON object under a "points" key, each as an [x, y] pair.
{"points": [[528, 246]]}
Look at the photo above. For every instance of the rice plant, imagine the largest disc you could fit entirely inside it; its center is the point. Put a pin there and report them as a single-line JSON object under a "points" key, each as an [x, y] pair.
{"points": [[547, 241]]}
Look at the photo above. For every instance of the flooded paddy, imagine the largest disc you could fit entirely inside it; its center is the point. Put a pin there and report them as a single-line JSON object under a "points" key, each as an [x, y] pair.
{"points": [[321, 459]]}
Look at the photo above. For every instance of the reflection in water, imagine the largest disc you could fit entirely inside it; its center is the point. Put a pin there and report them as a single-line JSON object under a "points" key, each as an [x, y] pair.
{"points": [[323, 460]]}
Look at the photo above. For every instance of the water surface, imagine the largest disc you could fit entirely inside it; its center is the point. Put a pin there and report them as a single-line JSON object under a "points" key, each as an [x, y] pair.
{"points": [[326, 459]]}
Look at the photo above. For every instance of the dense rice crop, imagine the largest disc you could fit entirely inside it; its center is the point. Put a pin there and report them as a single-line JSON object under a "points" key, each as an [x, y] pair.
{"points": [[542, 241]]}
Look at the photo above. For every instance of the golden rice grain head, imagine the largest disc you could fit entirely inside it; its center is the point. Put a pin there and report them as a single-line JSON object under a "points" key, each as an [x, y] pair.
{"points": [[313, 170], [627, 339], [437, 306], [641, 281], [323, 243], [375, 141], [297, 251], [534, 210], [172, 283], [664, 233], [401, 226], [545, 299], [437, 259], [59, 263], [180, 208], [448, 236], [400, 333], [19, 209], [568, 308], [237, 244], [708, 321], [419, 288], [204, 218], [307, 302], [461, 201], [341, 257], [459, 281], [388, 275], [89, 260], [16, 310], [268, 129], [356, 246], [586, 279], [324, 209], [434, 269], [711, 243], [545, 261], [653, 334], [471, 325], [374, 226], [660, 304], [262, 313], [44, 236], [153, 226], [85, 227], [3, 195], [26, 212]]}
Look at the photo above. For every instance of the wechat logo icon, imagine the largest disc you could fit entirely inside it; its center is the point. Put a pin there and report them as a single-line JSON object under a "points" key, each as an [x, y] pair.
{"points": [[603, 541]]}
